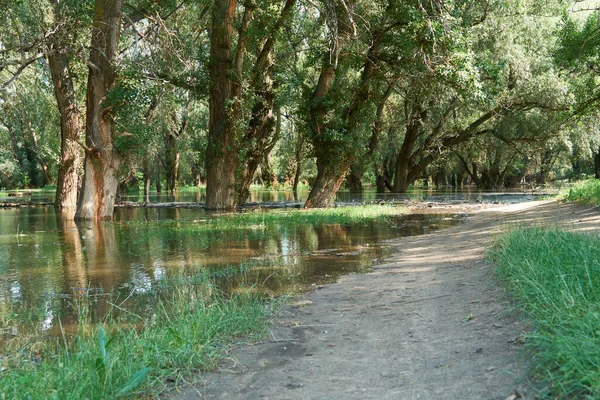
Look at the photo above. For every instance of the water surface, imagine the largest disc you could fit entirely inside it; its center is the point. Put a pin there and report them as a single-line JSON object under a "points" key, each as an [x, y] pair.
{"points": [[46, 261]]}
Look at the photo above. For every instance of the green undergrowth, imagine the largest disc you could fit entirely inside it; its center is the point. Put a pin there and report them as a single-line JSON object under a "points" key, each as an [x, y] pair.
{"points": [[255, 225], [189, 328], [554, 276], [587, 192], [340, 215]]}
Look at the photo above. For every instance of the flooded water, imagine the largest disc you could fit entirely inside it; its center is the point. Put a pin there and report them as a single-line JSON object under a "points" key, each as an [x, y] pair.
{"points": [[46, 261]]}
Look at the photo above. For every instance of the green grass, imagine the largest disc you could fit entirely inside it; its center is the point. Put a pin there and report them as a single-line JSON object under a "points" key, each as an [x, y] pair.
{"points": [[587, 192], [339, 215], [554, 276], [189, 329]]}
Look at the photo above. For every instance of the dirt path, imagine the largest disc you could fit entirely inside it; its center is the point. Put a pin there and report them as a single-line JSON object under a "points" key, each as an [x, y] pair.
{"points": [[430, 323]]}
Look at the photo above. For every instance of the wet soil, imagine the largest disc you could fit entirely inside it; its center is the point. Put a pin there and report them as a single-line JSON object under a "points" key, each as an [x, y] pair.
{"points": [[431, 322]]}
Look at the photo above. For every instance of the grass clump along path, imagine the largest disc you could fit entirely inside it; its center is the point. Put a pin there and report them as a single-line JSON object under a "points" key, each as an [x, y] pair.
{"points": [[587, 192], [188, 330], [554, 275]]}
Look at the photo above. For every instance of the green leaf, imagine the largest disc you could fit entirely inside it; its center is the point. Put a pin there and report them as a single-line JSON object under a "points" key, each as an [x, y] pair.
{"points": [[103, 341], [134, 381]]}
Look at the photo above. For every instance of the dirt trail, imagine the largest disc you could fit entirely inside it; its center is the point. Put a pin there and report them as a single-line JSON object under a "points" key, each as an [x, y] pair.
{"points": [[430, 323]]}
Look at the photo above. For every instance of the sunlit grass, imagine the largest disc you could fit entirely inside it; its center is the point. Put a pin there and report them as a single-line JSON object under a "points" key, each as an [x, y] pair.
{"points": [[340, 215], [587, 192], [554, 275]]}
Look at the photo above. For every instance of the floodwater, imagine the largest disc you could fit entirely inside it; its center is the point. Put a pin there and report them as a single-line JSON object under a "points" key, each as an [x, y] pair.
{"points": [[46, 261], [446, 195]]}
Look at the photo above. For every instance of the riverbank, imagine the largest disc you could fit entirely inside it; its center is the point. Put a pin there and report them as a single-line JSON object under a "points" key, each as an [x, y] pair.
{"points": [[430, 323]]}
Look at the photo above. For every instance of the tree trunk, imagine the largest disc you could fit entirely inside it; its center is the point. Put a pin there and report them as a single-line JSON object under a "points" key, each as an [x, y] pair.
{"points": [[197, 176], [380, 182], [298, 162], [146, 172], [46, 178], [401, 182], [158, 182], [71, 126], [547, 162], [172, 157], [221, 154], [331, 167], [354, 180], [102, 161], [330, 177]]}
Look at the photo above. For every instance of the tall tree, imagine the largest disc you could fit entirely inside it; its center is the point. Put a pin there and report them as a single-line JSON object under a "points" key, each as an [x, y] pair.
{"points": [[236, 146], [102, 160], [332, 158]]}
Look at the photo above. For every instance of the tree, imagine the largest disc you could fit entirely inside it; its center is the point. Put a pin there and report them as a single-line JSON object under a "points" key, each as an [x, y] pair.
{"points": [[41, 29], [333, 159], [100, 180], [229, 138]]}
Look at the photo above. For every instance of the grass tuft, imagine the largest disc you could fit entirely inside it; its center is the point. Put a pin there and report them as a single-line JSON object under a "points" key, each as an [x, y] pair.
{"points": [[587, 192], [554, 276]]}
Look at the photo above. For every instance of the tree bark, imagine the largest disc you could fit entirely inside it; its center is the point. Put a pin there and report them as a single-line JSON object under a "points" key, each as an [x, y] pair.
{"points": [[329, 179], [102, 160], [413, 125], [172, 157], [221, 152], [331, 169], [158, 182], [380, 182], [71, 127]]}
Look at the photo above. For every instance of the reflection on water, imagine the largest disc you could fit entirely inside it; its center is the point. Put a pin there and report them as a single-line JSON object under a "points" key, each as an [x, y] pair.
{"points": [[47, 261]]}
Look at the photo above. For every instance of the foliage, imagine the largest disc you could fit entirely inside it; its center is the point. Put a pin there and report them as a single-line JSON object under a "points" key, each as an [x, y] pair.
{"points": [[554, 276]]}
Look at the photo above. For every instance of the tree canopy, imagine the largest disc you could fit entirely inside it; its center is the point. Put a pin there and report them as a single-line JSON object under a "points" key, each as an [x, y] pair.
{"points": [[99, 96]]}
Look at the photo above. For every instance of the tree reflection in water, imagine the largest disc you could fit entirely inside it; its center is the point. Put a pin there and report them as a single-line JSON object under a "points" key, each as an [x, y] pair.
{"points": [[54, 263]]}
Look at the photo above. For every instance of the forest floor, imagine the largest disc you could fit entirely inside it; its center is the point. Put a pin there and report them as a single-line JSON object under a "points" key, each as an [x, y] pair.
{"points": [[431, 322]]}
